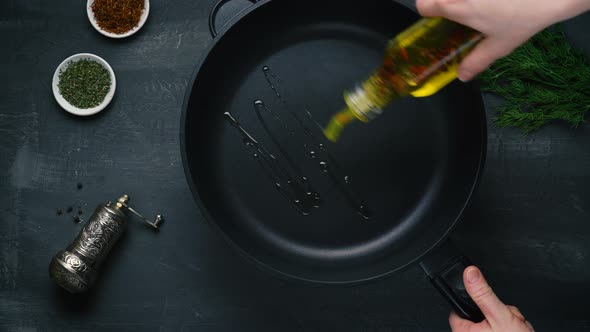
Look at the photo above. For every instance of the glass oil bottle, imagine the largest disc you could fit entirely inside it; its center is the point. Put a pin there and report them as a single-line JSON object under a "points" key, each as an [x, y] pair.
{"points": [[418, 62]]}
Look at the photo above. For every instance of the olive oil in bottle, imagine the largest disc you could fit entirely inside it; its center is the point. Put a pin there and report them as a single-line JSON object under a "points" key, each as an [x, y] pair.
{"points": [[418, 62]]}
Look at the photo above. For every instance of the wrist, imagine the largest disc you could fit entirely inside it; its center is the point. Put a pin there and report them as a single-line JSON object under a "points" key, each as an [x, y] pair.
{"points": [[570, 8]]}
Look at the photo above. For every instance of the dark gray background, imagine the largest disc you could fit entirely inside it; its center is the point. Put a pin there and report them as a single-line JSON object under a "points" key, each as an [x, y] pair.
{"points": [[528, 226]]}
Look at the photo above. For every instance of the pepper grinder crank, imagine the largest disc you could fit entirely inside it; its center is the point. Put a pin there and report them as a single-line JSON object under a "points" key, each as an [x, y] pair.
{"points": [[76, 268]]}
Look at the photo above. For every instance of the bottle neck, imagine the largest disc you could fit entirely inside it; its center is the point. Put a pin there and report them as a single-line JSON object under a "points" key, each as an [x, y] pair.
{"points": [[361, 105], [367, 101]]}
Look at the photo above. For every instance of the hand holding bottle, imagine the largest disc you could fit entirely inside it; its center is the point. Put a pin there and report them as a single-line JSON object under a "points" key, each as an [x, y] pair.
{"points": [[506, 24]]}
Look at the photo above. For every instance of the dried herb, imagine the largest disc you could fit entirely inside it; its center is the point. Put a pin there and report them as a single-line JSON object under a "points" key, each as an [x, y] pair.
{"points": [[84, 83], [117, 16], [543, 81]]}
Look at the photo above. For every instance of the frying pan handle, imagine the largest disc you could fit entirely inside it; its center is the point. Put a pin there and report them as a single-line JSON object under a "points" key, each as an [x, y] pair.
{"points": [[213, 15], [445, 266]]}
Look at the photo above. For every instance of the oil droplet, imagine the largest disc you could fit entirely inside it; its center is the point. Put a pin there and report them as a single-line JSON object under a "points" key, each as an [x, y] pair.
{"points": [[231, 120], [324, 166], [259, 106], [347, 179], [312, 154], [277, 186], [364, 211], [248, 142], [271, 79], [322, 147], [255, 155], [304, 179]]}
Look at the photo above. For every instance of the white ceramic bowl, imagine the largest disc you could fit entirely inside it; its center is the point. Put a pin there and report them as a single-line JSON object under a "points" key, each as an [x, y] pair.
{"points": [[142, 19], [64, 103]]}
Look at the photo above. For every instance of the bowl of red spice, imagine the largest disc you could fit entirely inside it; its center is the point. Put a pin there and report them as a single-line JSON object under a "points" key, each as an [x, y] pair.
{"points": [[117, 18]]}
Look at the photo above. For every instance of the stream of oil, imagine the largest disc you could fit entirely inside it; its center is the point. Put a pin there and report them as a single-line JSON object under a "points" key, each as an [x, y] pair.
{"points": [[269, 77], [322, 156], [296, 189]]}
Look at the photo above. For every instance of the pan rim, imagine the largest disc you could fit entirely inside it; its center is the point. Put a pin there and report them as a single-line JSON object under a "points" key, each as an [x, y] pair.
{"points": [[227, 28]]}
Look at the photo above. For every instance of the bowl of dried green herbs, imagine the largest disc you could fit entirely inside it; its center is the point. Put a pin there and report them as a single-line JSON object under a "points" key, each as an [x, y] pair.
{"points": [[84, 84]]}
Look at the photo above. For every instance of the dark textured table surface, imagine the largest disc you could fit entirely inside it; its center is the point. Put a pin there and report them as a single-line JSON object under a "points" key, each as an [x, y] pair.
{"points": [[528, 227]]}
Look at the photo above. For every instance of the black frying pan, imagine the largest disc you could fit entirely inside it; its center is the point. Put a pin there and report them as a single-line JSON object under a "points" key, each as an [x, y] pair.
{"points": [[413, 169]]}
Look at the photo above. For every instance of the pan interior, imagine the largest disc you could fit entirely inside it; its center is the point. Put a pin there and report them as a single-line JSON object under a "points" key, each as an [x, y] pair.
{"points": [[414, 167]]}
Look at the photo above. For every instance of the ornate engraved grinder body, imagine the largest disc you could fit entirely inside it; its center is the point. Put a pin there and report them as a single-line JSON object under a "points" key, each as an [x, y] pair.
{"points": [[75, 268]]}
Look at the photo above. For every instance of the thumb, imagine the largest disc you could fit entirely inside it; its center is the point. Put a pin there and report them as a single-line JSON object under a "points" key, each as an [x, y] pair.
{"points": [[482, 294], [459, 324]]}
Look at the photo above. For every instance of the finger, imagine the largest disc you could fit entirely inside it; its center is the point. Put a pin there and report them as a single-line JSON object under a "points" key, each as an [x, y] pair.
{"points": [[484, 55], [459, 324], [516, 312], [482, 294], [455, 10]]}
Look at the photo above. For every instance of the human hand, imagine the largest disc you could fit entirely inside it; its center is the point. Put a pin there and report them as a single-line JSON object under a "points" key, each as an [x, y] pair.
{"points": [[506, 24], [499, 317]]}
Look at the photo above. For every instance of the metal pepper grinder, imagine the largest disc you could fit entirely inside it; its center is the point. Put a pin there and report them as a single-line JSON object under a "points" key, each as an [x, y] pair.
{"points": [[76, 268]]}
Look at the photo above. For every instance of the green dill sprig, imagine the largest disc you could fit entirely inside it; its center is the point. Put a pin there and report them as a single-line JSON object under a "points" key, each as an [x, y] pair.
{"points": [[544, 80]]}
